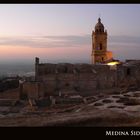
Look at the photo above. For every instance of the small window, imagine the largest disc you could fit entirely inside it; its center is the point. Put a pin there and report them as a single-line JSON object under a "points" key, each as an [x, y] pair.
{"points": [[101, 46], [102, 58], [65, 70], [128, 72], [67, 84]]}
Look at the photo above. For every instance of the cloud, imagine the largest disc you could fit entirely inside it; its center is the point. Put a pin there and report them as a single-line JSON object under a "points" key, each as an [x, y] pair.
{"points": [[46, 41], [124, 47], [69, 41], [80, 40], [124, 40], [74, 47]]}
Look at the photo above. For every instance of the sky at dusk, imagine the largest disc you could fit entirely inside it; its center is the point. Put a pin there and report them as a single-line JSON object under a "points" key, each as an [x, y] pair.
{"points": [[62, 32]]}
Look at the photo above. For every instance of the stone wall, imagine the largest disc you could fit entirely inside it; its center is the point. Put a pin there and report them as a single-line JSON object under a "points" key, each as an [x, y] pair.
{"points": [[76, 79], [128, 75], [33, 90]]}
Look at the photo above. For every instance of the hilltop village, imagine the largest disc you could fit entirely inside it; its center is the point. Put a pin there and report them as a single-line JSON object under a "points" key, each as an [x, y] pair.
{"points": [[68, 94]]}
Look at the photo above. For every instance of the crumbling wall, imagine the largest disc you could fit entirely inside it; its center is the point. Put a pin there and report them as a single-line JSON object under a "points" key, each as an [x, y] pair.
{"points": [[33, 90], [128, 76], [75, 78], [30, 89]]}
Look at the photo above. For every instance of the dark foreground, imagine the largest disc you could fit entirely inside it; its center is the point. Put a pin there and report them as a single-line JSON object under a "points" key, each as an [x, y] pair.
{"points": [[101, 110]]}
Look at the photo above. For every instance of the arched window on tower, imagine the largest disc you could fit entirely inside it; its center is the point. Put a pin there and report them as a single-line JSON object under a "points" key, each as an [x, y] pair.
{"points": [[101, 47], [102, 58]]}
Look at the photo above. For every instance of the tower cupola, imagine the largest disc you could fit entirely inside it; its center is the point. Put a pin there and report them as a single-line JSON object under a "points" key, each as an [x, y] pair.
{"points": [[99, 27]]}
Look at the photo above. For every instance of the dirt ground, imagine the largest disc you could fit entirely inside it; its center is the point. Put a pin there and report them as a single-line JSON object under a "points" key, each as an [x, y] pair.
{"points": [[100, 110]]}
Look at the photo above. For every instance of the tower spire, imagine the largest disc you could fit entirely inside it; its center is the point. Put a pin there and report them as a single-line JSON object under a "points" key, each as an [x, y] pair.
{"points": [[99, 19]]}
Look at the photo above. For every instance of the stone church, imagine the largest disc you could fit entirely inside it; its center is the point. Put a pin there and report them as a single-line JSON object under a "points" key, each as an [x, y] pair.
{"points": [[99, 45], [82, 79]]}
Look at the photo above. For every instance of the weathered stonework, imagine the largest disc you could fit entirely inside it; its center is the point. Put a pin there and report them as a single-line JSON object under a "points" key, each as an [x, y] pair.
{"points": [[80, 79], [69, 79], [83, 79]]}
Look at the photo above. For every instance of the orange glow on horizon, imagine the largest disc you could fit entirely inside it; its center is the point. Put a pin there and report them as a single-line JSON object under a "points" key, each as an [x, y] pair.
{"points": [[21, 52]]}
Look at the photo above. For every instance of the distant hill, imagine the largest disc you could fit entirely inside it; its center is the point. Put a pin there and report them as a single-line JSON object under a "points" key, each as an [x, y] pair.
{"points": [[16, 69]]}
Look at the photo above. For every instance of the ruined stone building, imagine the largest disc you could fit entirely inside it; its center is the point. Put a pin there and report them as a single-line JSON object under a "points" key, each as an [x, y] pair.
{"points": [[99, 45], [82, 79], [66, 78]]}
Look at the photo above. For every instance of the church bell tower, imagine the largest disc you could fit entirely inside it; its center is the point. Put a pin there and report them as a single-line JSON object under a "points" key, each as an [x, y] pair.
{"points": [[99, 44]]}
